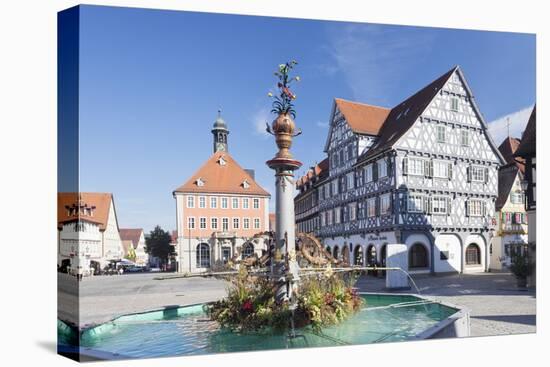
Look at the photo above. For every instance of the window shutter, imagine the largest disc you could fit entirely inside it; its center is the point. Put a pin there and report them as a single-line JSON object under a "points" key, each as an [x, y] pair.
{"points": [[467, 204], [389, 167], [404, 203], [449, 206], [377, 205], [427, 205], [426, 165], [486, 174], [450, 171], [375, 171], [405, 165], [391, 203], [469, 173], [484, 207]]}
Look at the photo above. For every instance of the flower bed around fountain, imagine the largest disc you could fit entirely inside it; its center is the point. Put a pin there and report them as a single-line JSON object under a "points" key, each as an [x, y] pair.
{"points": [[321, 300]]}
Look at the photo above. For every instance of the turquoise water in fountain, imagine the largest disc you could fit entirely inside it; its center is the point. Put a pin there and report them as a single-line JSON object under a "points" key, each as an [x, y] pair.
{"points": [[187, 330]]}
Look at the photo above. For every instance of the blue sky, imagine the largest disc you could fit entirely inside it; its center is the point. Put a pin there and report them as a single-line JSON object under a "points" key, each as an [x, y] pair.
{"points": [[151, 82]]}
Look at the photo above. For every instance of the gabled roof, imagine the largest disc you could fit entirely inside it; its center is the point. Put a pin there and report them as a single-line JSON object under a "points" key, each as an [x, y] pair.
{"points": [[528, 146], [508, 148], [362, 118], [402, 117], [131, 234], [506, 178], [100, 214], [320, 170], [222, 174]]}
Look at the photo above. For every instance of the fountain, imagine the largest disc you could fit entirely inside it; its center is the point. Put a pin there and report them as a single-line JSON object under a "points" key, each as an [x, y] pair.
{"points": [[275, 289]]}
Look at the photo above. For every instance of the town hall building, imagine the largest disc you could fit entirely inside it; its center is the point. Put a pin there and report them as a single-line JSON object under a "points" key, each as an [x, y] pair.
{"points": [[221, 211], [423, 173]]}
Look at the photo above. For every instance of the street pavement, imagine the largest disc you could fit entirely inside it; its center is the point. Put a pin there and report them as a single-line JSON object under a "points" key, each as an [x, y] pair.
{"points": [[497, 306]]}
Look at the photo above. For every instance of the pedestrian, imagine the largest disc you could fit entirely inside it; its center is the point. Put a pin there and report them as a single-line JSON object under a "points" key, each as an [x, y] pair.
{"points": [[121, 270], [79, 273]]}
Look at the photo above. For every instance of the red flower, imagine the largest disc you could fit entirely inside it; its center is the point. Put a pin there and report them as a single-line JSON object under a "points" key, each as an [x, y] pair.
{"points": [[247, 306]]}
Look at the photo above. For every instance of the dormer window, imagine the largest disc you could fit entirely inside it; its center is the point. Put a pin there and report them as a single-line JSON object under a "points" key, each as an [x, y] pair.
{"points": [[245, 184], [199, 182], [222, 161]]}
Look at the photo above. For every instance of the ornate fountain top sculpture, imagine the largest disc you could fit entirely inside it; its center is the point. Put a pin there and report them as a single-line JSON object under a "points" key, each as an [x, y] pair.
{"points": [[283, 127]]}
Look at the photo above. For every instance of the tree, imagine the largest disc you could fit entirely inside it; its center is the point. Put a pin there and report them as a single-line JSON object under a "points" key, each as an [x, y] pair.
{"points": [[158, 244]]}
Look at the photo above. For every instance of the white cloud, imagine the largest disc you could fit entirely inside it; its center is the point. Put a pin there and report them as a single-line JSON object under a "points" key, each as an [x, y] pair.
{"points": [[322, 124], [375, 59], [518, 120], [259, 119]]}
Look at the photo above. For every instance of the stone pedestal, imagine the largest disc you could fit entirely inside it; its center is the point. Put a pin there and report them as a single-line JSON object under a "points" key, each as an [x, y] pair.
{"points": [[396, 257]]}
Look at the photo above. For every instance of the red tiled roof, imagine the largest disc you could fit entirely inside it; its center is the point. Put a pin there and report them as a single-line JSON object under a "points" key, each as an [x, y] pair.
{"points": [[217, 178], [362, 118], [101, 202], [131, 234], [316, 171]]}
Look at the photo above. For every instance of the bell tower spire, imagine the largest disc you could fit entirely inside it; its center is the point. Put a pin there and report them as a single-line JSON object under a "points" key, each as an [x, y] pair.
{"points": [[220, 133]]}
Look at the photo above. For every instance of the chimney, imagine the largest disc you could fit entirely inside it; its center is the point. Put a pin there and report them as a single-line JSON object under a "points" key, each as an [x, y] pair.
{"points": [[250, 172]]}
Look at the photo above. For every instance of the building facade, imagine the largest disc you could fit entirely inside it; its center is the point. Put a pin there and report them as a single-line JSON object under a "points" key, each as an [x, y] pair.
{"points": [[88, 233], [511, 217], [423, 173], [220, 211], [527, 150]]}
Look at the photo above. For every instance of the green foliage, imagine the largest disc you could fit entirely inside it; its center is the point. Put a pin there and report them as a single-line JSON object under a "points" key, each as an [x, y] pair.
{"points": [[158, 244], [521, 267], [250, 304]]}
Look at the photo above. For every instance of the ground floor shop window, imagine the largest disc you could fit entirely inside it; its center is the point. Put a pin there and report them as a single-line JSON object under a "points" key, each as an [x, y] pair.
{"points": [[473, 254]]}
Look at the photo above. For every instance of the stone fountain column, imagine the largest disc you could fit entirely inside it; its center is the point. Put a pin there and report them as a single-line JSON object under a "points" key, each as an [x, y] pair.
{"points": [[284, 268]]}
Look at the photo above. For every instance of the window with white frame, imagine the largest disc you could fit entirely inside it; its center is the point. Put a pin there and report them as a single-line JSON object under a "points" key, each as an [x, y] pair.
{"points": [[256, 223], [441, 169], [385, 204], [334, 187], [439, 205], [415, 203], [329, 217], [477, 173], [516, 197], [465, 138], [476, 208], [224, 203], [337, 212], [202, 223], [441, 134], [235, 223], [190, 201], [213, 202], [371, 207], [190, 222], [415, 166], [225, 224], [235, 203], [245, 203], [382, 168], [256, 203], [352, 211], [214, 223], [368, 173], [351, 180], [454, 104], [246, 223], [202, 202]]}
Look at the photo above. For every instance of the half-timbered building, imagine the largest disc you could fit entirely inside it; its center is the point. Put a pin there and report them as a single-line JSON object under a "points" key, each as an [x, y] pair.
{"points": [[423, 173]]}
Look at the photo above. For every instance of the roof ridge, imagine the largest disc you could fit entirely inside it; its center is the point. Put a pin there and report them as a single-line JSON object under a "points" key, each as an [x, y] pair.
{"points": [[361, 103]]}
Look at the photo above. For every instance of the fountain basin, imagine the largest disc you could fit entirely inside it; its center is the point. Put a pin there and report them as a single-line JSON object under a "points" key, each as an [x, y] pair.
{"points": [[187, 330]]}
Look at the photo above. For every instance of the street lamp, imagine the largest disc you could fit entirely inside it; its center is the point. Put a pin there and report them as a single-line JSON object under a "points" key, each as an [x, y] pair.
{"points": [[524, 186]]}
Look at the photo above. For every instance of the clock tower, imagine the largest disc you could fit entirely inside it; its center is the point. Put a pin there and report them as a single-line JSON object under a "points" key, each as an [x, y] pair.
{"points": [[220, 133]]}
